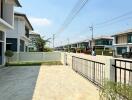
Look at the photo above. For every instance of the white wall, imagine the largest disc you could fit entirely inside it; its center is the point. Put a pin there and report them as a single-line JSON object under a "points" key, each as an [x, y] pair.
{"points": [[8, 12], [19, 29], [36, 56]]}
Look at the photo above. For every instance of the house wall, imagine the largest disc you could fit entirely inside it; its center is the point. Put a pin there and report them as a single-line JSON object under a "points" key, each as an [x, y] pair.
{"points": [[121, 39], [19, 33], [8, 12], [19, 29]]}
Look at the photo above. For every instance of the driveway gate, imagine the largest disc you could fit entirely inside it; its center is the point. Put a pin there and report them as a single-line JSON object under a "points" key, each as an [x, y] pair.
{"points": [[123, 71], [92, 70]]}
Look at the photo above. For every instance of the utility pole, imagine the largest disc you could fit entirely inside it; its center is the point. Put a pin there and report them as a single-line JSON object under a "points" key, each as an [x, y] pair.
{"points": [[92, 30], [53, 41]]}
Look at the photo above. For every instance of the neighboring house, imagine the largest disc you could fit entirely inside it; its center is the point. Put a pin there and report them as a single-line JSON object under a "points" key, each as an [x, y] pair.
{"points": [[6, 23], [33, 39], [73, 47], [123, 42], [17, 40], [102, 42]]}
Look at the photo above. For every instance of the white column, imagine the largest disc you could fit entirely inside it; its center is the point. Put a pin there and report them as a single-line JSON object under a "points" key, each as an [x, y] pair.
{"points": [[18, 49], [4, 48], [18, 45], [128, 49]]}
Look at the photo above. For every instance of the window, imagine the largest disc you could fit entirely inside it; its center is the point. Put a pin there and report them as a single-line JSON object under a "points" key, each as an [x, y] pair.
{"points": [[1, 36], [11, 44], [121, 50], [129, 38], [1, 8], [27, 32], [22, 45]]}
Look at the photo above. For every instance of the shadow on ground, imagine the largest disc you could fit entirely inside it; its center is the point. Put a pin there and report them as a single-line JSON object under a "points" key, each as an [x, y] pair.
{"points": [[18, 83]]}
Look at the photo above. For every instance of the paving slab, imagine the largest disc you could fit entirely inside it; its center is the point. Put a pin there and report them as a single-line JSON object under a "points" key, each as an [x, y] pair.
{"points": [[62, 83], [18, 83]]}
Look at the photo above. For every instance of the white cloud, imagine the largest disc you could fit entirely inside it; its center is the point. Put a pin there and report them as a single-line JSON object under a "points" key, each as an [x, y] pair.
{"points": [[40, 21]]}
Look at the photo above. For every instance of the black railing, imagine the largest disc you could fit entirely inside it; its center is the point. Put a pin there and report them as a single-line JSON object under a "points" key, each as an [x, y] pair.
{"points": [[123, 71], [92, 70]]}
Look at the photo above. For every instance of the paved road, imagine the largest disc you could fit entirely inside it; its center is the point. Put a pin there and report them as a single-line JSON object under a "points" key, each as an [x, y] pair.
{"points": [[62, 83], [17, 83]]}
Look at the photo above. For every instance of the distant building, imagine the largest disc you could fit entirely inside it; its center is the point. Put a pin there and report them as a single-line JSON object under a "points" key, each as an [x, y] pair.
{"points": [[33, 38], [6, 23], [74, 46], [17, 40], [123, 42], [102, 42]]}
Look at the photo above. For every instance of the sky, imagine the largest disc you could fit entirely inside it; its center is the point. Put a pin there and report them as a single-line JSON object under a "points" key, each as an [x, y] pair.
{"points": [[47, 16]]}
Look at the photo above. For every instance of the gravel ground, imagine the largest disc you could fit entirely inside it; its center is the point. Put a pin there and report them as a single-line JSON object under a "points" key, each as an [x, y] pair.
{"points": [[62, 83], [18, 83]]}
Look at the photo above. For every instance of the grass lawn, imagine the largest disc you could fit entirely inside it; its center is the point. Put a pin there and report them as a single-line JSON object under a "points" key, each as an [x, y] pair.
{"points": [[33, 63]]}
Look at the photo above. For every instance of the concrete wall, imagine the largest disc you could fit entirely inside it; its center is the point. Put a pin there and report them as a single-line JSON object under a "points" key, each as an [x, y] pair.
{"points": [[36, 56]]}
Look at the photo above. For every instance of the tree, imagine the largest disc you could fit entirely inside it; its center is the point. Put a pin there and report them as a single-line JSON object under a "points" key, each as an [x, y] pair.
{"points": [[9, 54], [40, 43]]}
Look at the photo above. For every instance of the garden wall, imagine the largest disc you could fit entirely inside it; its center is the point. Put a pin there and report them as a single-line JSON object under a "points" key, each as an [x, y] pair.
{"points": [[36, 57]]}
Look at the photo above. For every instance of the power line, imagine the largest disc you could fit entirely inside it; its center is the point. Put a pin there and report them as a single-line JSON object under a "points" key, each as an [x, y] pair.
{"points": [[115, 18], [77, 8], [110, 21]]}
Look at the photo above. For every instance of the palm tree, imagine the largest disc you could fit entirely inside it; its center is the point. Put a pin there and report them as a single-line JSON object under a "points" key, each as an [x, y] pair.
{"points": [[40, 43]]}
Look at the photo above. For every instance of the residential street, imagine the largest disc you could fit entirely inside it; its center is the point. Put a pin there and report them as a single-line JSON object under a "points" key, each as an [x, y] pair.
{"points": [[62, 83]]}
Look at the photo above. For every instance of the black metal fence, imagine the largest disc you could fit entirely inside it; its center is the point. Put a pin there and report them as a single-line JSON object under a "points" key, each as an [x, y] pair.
{"points": [[123, 71], [92, 70]]}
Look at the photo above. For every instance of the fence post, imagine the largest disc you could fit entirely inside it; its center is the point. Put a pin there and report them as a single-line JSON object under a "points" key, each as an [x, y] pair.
{"points": [[93, 71], [112, 70]]}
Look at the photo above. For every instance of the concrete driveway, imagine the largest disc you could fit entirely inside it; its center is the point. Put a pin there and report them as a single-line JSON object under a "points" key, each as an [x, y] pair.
{"points": [[17, 83], [62, 83]]}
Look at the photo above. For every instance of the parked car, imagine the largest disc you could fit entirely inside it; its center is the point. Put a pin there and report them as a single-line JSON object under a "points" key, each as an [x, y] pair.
{"points": [[127, 55]]}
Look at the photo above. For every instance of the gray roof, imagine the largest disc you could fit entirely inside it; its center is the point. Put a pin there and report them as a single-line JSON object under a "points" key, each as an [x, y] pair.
{"points": [[18, 3], [24, 15], [123, 33]]}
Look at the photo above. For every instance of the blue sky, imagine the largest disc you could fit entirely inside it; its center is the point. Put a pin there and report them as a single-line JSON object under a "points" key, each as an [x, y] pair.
{"points": [[47, 16]]}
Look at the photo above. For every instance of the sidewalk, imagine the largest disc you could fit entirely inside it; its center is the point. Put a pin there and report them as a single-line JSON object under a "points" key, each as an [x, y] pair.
{"points": [[62, 83]]}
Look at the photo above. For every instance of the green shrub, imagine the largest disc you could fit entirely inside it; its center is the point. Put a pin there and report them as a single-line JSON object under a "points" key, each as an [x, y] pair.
{"points": [[98, 52], [48, 49], [108, 53], [112, 91], [9, 54]]}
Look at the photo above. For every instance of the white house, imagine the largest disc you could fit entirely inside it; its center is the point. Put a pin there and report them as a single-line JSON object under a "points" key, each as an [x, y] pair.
{"points": [[102, 42], [6, 23], [123, 42], [17, 40], [33, 38]]}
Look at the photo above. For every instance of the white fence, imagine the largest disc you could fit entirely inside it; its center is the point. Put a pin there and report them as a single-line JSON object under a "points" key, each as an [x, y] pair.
{"points": [[36, 56]]}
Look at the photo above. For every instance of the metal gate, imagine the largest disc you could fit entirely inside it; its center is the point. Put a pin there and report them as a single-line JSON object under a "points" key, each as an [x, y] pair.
{"points": [[123, 71], [92, 70]]}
